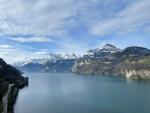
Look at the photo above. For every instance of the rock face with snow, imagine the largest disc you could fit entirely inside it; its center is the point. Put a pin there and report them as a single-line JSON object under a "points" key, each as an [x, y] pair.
{"points": [[106, 51], [49, 63], [109, 48], [40, 60]]}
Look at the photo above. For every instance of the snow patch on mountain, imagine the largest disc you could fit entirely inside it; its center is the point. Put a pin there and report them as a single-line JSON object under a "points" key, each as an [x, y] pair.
{"points": [[107, 49], [110, 48]]}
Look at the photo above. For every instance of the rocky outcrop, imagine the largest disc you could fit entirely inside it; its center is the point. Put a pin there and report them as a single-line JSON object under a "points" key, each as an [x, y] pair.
{"points": [[137, 74]]}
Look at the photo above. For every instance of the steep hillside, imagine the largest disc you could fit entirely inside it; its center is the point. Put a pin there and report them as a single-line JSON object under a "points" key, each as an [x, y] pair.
{"points": [[135, 68], [11, 74], [10, 79]]}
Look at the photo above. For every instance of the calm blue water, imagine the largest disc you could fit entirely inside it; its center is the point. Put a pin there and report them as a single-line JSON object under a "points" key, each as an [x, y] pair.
{"points": [[68, 93]]}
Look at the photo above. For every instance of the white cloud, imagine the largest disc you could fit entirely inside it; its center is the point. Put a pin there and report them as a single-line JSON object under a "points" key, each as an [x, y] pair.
{"points": [[132, 18], [31, 39], [38, 17], [5, 46], [53, 17], [12, 55]]}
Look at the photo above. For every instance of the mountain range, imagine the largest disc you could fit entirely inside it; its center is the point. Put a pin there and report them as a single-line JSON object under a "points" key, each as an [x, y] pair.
{"points": [[133, 62], [50, 63]]}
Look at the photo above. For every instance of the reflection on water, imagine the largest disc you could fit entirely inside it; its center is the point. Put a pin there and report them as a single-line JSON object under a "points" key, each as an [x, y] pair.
{"points": [[68, 93]]}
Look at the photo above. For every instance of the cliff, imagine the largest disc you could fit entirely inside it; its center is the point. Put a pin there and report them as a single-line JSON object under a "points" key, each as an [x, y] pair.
{"points": [[10, 82], [3, 90], [135, 68]]}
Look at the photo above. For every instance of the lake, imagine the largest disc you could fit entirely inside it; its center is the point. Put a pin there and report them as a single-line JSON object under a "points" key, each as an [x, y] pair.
{"points": [[69, 93]]}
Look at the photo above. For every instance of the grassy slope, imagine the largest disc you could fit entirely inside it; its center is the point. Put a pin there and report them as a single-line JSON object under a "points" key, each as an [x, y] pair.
{"points": [[143, 60]]}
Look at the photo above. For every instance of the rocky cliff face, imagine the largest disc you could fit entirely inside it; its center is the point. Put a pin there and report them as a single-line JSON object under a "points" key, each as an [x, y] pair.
{"points": [[135, 68]]}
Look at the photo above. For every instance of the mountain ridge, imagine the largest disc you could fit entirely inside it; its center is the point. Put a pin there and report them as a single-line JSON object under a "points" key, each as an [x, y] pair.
{"points": [[114, 63], [51, 63], [101, 61]]}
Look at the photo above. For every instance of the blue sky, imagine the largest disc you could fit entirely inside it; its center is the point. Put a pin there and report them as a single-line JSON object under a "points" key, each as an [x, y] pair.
{"points": [[31, 28]]}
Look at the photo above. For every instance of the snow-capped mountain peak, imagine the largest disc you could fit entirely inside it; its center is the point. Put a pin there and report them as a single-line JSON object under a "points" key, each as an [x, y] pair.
{"points": [[46, 58], [110, 48], [105, 51]]}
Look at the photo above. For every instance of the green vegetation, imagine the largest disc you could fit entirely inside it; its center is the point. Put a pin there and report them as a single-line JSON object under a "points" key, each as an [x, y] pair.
{"points": [[143, 60], [3, 87]]}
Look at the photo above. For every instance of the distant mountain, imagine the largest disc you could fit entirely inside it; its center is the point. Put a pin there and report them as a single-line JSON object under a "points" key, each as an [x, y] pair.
{"points": [[107, 50], [135, 51], [50, 63], [64, 65], [130, 62], [40, 60]]}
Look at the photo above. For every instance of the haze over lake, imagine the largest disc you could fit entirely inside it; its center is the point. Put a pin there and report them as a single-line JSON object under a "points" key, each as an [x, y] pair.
{"points": [[69, 93]]}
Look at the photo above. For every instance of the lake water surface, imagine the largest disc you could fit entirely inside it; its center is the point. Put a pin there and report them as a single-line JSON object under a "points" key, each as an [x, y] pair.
{"points": [[69, 93]]}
